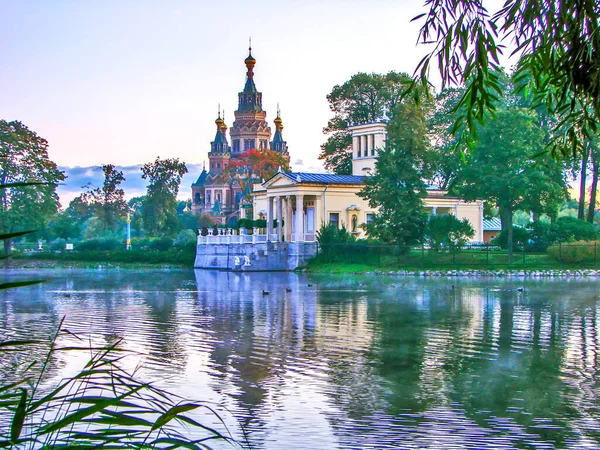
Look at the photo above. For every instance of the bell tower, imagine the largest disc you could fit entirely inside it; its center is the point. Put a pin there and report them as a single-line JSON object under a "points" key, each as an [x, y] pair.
{"points": [[219, 148], [249, 130]]}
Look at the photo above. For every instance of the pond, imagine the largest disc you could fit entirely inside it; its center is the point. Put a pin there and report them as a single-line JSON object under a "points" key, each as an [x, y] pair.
{"points": [[344, 362]]}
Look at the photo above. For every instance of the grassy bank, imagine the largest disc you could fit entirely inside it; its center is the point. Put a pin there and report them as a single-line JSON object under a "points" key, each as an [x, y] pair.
{"points": [[373, 260], [180, 256]]}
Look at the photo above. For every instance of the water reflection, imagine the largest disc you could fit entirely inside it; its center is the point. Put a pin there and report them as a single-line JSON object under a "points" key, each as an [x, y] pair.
{"points": [[334, 362]]}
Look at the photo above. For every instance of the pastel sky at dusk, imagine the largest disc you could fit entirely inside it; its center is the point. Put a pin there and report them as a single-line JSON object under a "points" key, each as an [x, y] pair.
{"points": [[123, 82]]}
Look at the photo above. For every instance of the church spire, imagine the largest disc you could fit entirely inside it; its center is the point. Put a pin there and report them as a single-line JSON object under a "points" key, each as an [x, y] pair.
{"points": [[278, 144], [250, 99]]}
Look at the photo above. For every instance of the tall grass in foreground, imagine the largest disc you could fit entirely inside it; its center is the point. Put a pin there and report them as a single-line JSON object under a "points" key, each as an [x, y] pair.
{"points": [[102, 406]]}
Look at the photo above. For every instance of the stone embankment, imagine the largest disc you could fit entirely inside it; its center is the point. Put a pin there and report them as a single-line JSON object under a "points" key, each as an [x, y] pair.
{"points": [[556, 273]]}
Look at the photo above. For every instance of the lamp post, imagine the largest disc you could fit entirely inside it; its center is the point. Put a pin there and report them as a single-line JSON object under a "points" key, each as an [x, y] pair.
{"points": [[128, 228]]}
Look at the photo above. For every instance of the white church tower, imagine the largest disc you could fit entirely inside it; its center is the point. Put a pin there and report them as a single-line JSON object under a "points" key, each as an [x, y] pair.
{"points": [[367, 139]]}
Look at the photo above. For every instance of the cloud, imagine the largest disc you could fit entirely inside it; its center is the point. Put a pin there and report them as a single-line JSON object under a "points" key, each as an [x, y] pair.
{"points": [[298, 162], [134, 185]]}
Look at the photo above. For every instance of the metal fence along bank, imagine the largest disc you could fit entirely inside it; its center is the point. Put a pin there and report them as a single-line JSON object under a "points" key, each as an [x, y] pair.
{"points": [[585, 255]]}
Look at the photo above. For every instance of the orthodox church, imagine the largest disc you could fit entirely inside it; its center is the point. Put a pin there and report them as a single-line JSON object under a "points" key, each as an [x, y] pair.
{"points": [[296, 204], [216, 193]]}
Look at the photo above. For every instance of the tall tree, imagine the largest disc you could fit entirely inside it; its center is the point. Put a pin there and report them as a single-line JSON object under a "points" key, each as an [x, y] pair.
{"points": [[397, 187], [557, 43], [160, 206], [447, 155], [107, 202], [504, 168], [24, 159], [360, 99], [594, 149]]}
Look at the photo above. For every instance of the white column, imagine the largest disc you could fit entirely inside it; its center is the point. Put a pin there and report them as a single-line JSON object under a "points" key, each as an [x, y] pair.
{"points": [[279, 218], [299, 234], [269, 218], [434, 210], [288, 218], [354, 146]]}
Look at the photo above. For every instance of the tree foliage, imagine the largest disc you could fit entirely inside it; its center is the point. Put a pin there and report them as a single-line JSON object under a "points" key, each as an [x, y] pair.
{"points": [[360, 99], [107, 203], [252, 166], [159, 208], [397, 188], [557, 45], [448, 232], [504, 168], [30, 178]]}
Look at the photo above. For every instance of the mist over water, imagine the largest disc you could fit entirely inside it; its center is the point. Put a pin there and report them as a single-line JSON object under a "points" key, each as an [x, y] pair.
{"points": [[342, 362]]}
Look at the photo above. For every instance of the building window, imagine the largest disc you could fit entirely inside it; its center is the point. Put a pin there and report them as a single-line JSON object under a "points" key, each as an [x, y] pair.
{"points": [[370, 217], [197, 198], [218, 165], [249, 144], [208, 198], [310, 220], [236, 145], [334, 219], [212, 166]]}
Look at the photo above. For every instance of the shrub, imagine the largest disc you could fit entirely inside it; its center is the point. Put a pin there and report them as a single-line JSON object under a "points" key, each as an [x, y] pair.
{"points": [[260, 223], [448, 231], [161, 244], [100, 244], [331, 234], [570, 229], [57, 244], [185, 237], [246, 223], [520, 238], [541, 235], [574, 252]]}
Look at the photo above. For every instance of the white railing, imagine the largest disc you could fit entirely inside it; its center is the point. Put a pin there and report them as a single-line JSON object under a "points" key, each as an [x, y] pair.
{"points": [[228, 237], [232, 239]]}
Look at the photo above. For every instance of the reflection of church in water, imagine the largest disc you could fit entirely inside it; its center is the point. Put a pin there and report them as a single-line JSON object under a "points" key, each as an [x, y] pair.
{"points": [[215, 192]]}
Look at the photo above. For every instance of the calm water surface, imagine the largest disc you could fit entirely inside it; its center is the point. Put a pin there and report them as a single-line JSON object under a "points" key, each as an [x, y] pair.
{"points": [[345, 363]]}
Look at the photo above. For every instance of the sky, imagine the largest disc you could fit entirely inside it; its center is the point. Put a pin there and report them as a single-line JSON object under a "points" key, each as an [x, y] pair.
{"points": [[123, 82]]}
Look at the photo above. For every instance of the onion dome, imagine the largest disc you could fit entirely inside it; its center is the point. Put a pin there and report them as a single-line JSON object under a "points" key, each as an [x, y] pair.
{"points": [[219, 122], [278, 122], [250, 62]]}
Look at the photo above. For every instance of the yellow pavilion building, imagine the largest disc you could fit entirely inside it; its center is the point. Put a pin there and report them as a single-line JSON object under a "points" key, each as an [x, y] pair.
{"points": [[306, 200]]}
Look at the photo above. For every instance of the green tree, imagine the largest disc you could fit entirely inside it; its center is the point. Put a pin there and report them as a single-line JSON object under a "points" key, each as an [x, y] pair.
{"points": [[24, 159], [448, 231], [557, 44], [107, 202], [136, 206], [160, 206], [504, 168], [63, 225], [360, 99], [397, 187], [447, 155]]}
